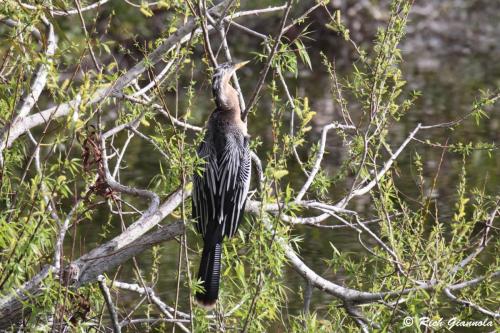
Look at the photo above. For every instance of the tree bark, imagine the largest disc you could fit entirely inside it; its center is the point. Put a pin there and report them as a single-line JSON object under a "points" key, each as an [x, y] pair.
{"points": [[104, 258]]}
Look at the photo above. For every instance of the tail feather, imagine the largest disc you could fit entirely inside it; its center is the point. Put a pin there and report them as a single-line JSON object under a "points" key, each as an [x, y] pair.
{"points": [[209, 273]]}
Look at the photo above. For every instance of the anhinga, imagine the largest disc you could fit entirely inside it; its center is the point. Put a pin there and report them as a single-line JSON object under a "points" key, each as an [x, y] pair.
{"points": [[220, 191]]}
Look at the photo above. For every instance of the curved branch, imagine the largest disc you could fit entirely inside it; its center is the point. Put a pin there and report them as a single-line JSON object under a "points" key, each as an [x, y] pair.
{"points": [[28, 101], [319, 158], [149, 292], [350, 295], [455, 299], [107, 256], [371, 184]]}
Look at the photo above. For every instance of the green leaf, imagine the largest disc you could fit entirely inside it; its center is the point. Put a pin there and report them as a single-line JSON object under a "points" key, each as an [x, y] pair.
{"points": [[278, 174], [145, 10]]}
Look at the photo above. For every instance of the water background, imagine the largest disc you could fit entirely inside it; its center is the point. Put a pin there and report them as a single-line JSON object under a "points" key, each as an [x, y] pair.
{"points": [[451, 51]]}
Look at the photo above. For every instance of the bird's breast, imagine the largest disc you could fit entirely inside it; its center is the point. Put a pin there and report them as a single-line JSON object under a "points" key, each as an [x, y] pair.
{"points": [[225, 122]]}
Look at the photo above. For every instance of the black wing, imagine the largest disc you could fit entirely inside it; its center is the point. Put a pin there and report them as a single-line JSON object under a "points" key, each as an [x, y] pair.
{"points": [[219, 194]]}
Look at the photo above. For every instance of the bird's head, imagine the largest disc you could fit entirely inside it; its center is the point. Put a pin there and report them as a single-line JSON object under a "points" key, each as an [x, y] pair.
{"points": [[220, 80], [224, 71]]}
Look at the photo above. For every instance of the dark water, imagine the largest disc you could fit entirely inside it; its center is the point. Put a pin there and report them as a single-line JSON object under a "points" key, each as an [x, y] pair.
{"points": [[447, 69]]}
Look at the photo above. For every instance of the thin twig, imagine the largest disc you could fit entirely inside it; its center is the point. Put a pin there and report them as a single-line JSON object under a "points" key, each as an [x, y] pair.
{"points": [[166, 310], [319, 158], [455, 299], [265, 70], [109, 303]]}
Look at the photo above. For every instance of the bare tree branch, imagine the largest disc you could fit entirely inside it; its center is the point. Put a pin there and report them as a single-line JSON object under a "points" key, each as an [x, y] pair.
{"points": [[361, 190], [164, 308], [27, 102], [455, 299], [107, 256], [109, 303], [181, 35], [319, 158], [263, 74], [69, 12]]}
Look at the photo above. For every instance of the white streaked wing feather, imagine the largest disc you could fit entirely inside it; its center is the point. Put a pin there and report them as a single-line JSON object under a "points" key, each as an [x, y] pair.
{"points": [[222, 192]]}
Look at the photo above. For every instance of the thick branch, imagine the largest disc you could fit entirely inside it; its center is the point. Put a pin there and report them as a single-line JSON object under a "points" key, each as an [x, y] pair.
{"points": [[182, 35], [27, 102], [353, 295], [128, 243], [102, 259]]}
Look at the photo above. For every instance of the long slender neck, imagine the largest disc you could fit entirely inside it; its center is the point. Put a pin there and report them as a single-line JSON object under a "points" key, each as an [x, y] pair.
{"points": [[226, 97]]}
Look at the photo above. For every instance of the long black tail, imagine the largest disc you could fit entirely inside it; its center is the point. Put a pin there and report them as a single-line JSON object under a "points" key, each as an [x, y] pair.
{"points": [[209, 273]]}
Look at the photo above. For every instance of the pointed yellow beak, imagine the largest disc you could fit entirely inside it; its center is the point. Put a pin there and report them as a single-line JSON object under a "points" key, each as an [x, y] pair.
{"points": [[241, 64]]}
